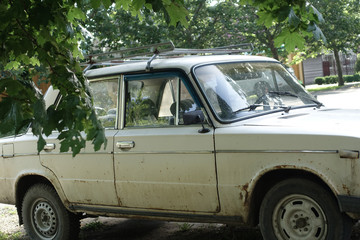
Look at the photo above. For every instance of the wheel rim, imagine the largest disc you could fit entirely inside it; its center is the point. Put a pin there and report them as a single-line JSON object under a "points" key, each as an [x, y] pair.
{"points": [[299, 217], [44, 219]]}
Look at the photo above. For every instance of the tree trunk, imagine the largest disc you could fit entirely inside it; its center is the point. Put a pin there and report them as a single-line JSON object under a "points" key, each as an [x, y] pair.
{"points": [[271, 45], [339, 68]]}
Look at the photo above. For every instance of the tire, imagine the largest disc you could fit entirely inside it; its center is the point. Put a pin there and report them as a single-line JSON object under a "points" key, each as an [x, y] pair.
{"points": [[301, 209], [45, 217]]}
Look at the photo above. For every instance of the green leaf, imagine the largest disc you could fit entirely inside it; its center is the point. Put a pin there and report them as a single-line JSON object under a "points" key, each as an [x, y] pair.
{"points": [[318, 34], [177, 14], [291, 40], [41, 143], [124, 4], [76, 13], [294, 20], [317, 13], [95, 3], [138, 4], [13, 65], [265, 18], [106, 3]]}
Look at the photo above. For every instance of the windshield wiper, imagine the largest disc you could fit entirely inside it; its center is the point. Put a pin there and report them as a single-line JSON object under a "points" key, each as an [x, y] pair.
{"points": [[250, 108], [318, 104], [285, 93]]}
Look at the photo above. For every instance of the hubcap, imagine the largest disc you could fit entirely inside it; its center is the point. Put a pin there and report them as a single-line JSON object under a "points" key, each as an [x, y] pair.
{"points": [[299, 217], [44, 219]]}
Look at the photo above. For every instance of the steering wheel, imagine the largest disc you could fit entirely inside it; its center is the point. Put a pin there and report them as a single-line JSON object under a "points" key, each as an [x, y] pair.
{"points": [[262, 89]]}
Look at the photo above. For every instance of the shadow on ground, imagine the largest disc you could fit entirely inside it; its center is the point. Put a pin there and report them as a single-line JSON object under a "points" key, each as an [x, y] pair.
{"points": [[111, 229]]}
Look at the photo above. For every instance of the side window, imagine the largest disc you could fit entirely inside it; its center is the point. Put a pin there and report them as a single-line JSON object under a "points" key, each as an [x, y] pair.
{"points": [[105, 96], [154, 102], [188, 109]]}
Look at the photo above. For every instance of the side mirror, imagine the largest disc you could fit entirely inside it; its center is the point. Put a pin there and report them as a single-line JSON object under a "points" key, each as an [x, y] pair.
{"points": [[193, 117]]}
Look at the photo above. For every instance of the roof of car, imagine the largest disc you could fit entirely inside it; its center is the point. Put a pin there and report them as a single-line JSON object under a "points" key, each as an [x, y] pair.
{"points": [[185, 63]]}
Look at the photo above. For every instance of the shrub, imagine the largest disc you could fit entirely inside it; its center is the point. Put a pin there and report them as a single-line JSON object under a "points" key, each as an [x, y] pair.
{"points": [[334, 79], [319, 80], [352, 78]]}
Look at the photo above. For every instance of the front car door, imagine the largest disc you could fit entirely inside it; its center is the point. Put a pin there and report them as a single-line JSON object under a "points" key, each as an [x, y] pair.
{"points": [[161, 160]]}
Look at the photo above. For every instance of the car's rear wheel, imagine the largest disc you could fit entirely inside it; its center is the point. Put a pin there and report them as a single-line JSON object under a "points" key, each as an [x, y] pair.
{"points": [[302, 209], [45, 217]]}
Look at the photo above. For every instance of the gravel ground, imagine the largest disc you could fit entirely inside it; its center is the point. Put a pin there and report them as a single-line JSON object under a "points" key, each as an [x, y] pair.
{"points": [[102, 228]]}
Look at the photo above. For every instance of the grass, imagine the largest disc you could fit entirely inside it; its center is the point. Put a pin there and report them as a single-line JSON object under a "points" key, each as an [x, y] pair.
{"points": [[9, 211], [185, 227], [93, 226], [13, 236], [332, 87], [327, 88]]}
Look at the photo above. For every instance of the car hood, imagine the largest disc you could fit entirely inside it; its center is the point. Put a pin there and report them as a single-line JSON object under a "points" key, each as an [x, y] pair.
{"points": [[325, 120], [309, 129]]}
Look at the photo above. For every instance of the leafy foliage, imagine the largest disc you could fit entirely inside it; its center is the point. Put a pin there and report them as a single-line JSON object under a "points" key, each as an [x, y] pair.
{"points": [[30, 39], [341, 28], [299, 18]]}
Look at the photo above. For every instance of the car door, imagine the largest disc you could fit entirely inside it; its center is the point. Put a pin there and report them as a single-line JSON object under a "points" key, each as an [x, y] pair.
{"points": [[88, 178], [161, 160]]}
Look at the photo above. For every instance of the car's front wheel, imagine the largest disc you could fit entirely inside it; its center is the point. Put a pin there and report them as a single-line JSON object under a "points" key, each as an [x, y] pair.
{"points": [[45, 217], [302, 209]]}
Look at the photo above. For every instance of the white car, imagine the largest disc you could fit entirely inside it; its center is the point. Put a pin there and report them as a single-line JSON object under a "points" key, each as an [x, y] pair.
{"points": [[221, 138]]}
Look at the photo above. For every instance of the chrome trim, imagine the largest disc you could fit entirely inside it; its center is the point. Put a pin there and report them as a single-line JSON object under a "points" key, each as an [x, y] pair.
{"points": [[125, 144], [121, 106], [177, 102], [349, 154], [279, 151], [167, 152], [118, 102], [49, 147], [22, 155], [70, 153]]}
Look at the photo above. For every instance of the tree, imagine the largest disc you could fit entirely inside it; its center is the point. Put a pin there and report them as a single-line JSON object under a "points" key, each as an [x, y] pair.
{"points": [[226, 23], [299, 18], [50, 39], [341, 27]]}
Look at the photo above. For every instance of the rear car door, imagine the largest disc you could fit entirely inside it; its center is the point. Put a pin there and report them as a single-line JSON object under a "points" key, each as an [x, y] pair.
{"points": [[88, 178]]}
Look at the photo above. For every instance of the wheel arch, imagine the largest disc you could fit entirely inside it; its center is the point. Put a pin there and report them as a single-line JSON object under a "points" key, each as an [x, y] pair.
{"points": [[24, 183], [269, 179]]}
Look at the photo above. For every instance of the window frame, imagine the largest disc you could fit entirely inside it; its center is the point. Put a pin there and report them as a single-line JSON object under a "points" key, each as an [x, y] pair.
{"points": [[116, 79], [154, 75]]}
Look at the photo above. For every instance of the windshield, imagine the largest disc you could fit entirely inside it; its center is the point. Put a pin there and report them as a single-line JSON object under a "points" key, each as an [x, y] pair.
{"points": [[238, 90]]}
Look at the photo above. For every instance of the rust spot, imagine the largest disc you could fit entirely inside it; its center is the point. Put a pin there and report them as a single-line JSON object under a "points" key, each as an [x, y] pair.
{"points": [[244, 193], [346, 189]]}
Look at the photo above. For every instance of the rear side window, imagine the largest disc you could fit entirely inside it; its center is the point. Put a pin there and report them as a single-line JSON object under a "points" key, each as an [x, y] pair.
{"points": [[105, 97]]}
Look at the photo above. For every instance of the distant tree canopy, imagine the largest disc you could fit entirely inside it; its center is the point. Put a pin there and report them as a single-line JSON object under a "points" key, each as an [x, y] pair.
{"points": [[341, 27], [208, 25], [46, 33]]}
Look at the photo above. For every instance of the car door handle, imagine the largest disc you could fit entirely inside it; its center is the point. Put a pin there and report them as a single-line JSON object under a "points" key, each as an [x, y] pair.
{"points": [[49, 147], [125, 144]]}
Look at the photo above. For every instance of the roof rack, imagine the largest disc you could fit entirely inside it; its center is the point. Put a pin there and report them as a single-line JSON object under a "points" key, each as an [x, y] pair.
{"points": [[166, 49]]}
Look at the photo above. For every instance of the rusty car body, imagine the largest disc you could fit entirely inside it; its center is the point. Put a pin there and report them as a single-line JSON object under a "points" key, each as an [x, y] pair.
{"points": [[223, 138]]}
